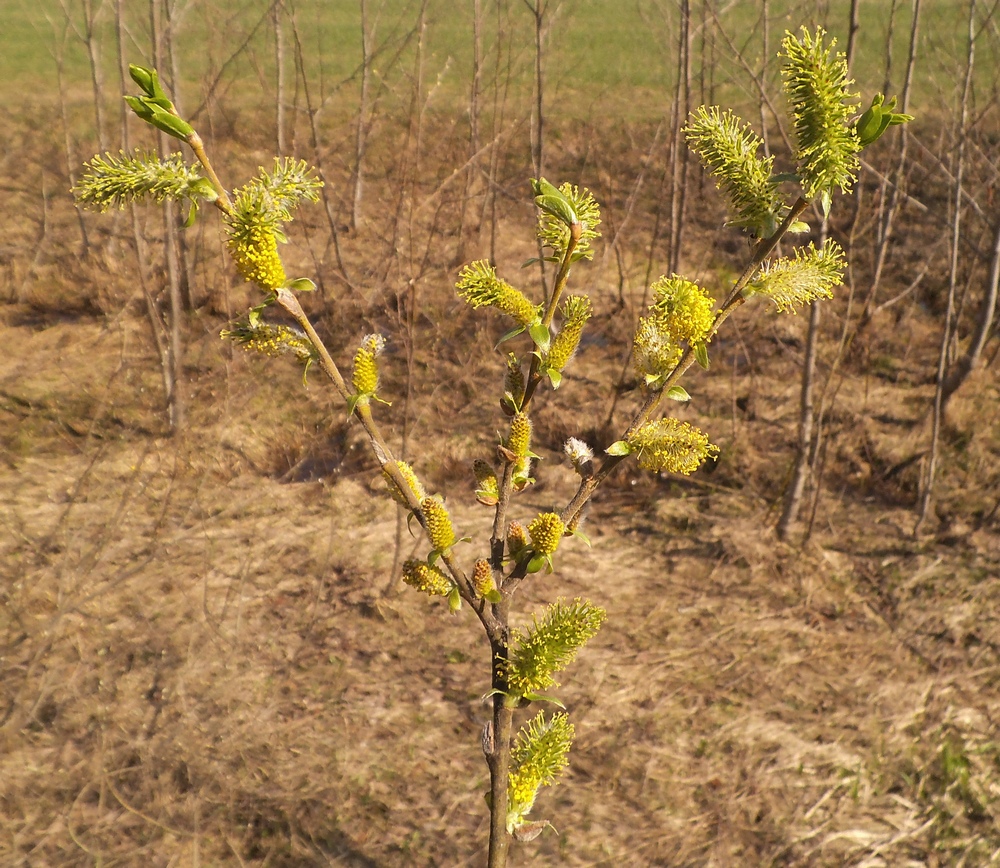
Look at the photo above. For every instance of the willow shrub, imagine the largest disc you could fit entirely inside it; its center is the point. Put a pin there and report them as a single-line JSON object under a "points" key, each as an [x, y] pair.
{"points": [[545, 329]]}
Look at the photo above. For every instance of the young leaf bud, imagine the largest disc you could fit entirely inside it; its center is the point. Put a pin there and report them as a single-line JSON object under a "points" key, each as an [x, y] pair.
{"points": [[487, 487]]}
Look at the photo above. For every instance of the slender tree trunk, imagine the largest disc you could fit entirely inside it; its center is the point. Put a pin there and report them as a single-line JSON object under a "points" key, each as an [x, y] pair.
{"points": [[765, 59], [472, 174], [886, 224], [175, 353], [59, 56], [927, 490], [318, 160], [679, 152], [361, 131], [984, 321], [501, 87], [93, 56], [279, 71], [804, 446], [808, 446], [538, 115]]}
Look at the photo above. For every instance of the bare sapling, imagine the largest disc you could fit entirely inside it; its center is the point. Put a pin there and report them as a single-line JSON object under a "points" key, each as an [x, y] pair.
{"points": [[525, 745]]}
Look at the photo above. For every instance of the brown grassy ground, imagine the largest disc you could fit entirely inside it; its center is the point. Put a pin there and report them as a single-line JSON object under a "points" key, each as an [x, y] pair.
{"points": [[201, 664]]}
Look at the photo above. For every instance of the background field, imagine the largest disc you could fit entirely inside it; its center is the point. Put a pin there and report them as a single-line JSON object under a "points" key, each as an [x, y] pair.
{"points": [[205, 654]]}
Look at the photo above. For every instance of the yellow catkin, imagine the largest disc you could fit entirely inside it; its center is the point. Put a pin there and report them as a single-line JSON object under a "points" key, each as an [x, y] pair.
{"points": [[517, 538], [520, 435], [546, 531], [365, 375], [482, 578], [576, 311], [439, 528], [256, 258], [411, 480], [687, 309], [424, 577]]}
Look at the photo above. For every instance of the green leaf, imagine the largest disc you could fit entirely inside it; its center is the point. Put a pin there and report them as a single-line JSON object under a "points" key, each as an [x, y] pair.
{"points": [[148, 81], [540, 697], [142, 77], [352, 402], [454, 600], [301, 284], [202, 189], [432, 558], [528, 262], [138, 105], [586, 539], [540, 335], [192, 215], [798, 226], [825, 202], [868, 126], [513, 333], [619, 447], [149, 110], [538, 560], [558, 207], [494, 597], [701, 354], [678, 393], [541, 187], [555, 377]]}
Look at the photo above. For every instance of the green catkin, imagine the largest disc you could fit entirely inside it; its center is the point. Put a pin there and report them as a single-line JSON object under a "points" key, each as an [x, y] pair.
{"points": [[686, 310], [671, 445], [479, 285], [487, 486], [539, 755], [550, 645], [801, 279]]}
